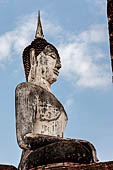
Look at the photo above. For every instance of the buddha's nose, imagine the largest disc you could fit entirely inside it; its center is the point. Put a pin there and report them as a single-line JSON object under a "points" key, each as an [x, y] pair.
{"points": [[58, 66]]}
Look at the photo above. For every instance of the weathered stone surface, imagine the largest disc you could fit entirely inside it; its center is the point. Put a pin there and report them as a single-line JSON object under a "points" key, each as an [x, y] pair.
{"points": [[39, 31], [36, 141], [7, 167], [38, 112], [40, 147], [62, 151], [74, 166], [44, 67]]}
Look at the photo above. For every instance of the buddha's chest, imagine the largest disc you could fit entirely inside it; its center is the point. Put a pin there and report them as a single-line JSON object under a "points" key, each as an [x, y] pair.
{"points": [[50, 117], [46, 111]]}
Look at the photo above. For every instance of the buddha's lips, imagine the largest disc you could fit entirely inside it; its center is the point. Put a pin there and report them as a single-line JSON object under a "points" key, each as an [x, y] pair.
{"points": [[56, 71]]}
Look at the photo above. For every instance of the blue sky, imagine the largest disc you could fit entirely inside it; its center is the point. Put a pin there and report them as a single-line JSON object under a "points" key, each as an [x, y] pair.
{"points": [[78, 28]]}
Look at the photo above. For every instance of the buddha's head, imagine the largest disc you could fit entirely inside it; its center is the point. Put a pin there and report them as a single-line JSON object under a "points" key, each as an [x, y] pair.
{"points": [[41, 59]]}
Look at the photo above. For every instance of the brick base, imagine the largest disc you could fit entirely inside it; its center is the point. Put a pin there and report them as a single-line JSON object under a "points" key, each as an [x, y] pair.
{"points": [[74, 166]]}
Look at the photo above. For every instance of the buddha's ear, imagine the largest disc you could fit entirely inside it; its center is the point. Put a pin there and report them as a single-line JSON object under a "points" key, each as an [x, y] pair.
{"points": [[32, 56]]}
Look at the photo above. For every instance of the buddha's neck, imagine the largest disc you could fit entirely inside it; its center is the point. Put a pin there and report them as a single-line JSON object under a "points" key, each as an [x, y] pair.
{"points": [[41, 82]]}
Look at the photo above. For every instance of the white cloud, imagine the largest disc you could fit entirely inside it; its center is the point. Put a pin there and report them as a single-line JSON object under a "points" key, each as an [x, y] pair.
{"points": [[82, 59], [96, 34], [16, 40], [5, 46]]}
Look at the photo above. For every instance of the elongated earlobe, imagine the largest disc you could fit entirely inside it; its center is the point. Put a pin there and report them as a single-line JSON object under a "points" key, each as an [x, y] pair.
{"points": [[32, 56], [32, 63]]}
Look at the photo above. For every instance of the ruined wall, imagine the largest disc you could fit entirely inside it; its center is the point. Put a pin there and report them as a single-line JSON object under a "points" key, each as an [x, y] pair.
{"points": [[110, 26]]}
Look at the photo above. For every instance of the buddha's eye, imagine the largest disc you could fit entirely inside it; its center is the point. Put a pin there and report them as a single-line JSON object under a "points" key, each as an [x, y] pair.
{"points": [[53, 56]]}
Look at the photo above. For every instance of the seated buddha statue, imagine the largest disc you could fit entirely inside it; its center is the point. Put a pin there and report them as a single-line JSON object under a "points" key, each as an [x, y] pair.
{"points": [[40, 117]]}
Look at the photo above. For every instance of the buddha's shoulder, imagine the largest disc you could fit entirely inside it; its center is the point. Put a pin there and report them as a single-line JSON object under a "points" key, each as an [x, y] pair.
{"points": [[27, 86], [29, 90], [32, 91]]}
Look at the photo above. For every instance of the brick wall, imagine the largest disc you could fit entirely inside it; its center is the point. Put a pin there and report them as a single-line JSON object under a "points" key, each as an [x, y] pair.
{"points": [[74, 166]]}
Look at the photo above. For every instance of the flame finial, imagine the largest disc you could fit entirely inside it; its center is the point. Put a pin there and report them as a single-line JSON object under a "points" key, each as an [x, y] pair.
{"points": [[39, 31]]}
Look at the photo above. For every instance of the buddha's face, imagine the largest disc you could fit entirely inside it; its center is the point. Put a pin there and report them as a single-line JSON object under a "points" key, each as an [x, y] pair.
{"points": [[48, 64]]}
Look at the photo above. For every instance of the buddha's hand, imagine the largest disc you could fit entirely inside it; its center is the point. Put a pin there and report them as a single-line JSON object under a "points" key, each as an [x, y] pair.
{"points": [[23, 145], [29, 135], [28, 140], [33, 141]]}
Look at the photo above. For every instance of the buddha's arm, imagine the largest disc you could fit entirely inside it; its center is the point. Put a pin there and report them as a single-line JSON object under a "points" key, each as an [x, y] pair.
{"points": [[25, 120], [24, 114]]}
